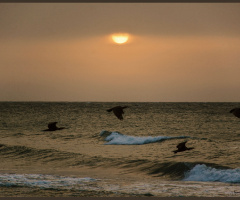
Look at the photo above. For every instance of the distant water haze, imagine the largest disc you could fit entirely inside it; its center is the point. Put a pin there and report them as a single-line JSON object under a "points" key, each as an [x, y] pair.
{"points": [[65, 52]]}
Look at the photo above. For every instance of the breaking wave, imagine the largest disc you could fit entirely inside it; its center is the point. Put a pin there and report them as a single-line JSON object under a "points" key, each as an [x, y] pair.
{"points": [[43, 181], [201, 172], [116, 138]]}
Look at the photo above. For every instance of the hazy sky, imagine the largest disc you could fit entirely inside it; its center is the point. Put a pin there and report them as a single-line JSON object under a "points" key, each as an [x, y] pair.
{"points": [[175, 52]]}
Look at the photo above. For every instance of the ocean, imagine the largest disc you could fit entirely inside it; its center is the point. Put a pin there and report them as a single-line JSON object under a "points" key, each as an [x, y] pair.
{"points": [[99, 155]]}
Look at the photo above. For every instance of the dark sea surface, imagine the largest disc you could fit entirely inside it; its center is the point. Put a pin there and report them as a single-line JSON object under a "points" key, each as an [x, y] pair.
{"points": [[98, 152]]}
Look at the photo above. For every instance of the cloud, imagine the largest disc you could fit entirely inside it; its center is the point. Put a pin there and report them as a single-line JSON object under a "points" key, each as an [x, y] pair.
{"points": [[64, 20]]}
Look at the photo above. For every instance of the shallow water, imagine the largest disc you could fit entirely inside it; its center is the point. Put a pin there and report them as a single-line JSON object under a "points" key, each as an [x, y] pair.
{"points": [[98, 152]]}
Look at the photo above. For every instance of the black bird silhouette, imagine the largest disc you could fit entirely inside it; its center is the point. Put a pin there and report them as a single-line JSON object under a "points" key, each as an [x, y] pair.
{"points": [[118, 111], [52, 127], [236, 112], [182, 147]]}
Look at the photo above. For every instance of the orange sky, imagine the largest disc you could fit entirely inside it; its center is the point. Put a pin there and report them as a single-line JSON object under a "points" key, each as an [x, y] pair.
{"points": [[64, 52]]}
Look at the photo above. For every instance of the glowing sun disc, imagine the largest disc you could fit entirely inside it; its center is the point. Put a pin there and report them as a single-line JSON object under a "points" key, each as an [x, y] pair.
{"points": [[120, 38]]}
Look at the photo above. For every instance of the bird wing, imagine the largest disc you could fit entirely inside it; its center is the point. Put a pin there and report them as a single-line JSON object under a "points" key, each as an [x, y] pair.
{"points": [[236, 112], [118, 112], [52, 125], [231, 111], [181, 145], [109, 110]]}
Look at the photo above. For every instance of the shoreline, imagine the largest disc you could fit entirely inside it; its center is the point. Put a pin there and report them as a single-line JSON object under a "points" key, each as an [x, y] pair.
{"points": [[116, 184], [38, 192]]}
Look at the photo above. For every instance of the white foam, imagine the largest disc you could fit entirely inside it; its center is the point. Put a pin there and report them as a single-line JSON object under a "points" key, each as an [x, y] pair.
{"points": [[116, 138], [209, 174], [42, 181]]}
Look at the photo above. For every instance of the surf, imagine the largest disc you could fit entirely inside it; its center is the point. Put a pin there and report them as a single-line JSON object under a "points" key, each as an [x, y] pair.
{"points": [[43, 181], [116, 138], [204, 173]]}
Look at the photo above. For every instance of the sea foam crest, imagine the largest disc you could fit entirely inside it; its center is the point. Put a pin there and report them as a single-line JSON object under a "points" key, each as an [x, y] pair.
{"points": [[116, 138], [208, 174], [42, 181]]}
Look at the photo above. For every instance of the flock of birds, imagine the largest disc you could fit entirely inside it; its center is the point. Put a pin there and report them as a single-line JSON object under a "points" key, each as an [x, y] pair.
{"points": [[118, 112]]}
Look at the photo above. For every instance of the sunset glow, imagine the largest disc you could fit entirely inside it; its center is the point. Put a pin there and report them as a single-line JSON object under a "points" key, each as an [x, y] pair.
{"points": [[120, 52], [120, 38]]}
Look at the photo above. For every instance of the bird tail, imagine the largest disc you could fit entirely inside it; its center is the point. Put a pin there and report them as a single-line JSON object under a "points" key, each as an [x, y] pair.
{"points": [[109, 110]]}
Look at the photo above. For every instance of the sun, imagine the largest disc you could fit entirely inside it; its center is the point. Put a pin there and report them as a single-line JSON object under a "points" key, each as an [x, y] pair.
{"points": [[120, 38]]}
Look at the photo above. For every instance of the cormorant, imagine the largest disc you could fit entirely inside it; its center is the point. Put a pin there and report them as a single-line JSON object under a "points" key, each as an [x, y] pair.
{"points": [[118, 111], [182, 147], [236, 112], [52, 127]]}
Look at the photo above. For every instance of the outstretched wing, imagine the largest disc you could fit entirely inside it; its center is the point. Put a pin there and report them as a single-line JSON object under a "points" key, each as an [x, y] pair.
{"points": [[181, 145], [118, 112], [236, 112], [109, 110], [52, 125]]}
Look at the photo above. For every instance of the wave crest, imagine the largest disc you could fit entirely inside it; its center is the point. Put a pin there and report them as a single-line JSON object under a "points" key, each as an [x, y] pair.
{"points": [[208, 174], [42, 181], [116, 138]]}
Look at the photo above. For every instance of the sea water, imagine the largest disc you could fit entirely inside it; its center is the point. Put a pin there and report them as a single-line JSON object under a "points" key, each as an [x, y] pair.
{"points": [[98, 152]]}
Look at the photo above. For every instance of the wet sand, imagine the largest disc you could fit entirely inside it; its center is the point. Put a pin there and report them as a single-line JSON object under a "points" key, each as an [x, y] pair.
{"points": [[36, 192], [168, 190]]}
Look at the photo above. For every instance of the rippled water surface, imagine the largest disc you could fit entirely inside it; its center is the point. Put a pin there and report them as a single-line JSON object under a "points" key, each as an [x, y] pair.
{"points": [[97, 151]]}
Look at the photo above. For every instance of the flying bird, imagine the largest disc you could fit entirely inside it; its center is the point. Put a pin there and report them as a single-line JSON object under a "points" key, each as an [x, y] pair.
{"points": [[118, 111], [182, 147], [52, 127], [236, 112]]}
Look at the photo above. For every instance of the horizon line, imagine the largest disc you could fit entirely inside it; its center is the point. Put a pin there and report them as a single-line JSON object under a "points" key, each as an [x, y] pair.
{"points": [[35, 101], [120, 1]]}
